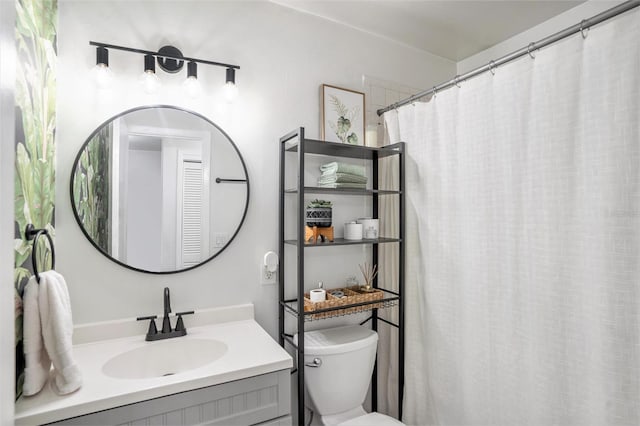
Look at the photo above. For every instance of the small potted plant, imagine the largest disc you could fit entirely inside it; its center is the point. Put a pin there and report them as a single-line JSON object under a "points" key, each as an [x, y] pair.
{"points": [[318, 213]]}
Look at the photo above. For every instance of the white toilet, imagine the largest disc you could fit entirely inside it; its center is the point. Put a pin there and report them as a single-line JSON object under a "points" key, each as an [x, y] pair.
{"points": [[338, 386]]}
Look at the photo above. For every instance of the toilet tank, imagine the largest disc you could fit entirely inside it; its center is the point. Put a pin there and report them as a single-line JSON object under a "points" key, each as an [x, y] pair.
{"points": [[347, 355]]}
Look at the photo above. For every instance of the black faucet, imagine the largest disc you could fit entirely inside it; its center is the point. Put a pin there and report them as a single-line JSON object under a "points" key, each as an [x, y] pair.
{"points": [[167, 332], [166, 323]]}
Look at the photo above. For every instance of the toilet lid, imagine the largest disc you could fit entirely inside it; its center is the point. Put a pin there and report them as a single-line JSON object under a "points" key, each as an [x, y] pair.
{"points": [[372, 419]]}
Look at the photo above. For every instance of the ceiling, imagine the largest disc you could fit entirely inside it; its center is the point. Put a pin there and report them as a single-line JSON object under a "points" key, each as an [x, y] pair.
{"points": [[452, 29]]}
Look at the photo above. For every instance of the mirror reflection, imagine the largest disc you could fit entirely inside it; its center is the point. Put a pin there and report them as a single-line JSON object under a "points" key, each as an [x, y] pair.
{"points": [[159, 189]]}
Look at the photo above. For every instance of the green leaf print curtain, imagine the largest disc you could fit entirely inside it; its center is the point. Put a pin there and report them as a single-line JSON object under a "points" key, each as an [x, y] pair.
{"points": [[36, 22]]}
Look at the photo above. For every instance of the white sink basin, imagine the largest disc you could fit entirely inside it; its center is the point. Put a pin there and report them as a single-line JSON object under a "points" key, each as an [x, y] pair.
{"points": [[164, 358]]}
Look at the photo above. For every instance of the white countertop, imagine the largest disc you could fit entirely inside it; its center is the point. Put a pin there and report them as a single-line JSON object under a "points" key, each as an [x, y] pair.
{"points": [[251, 351]]}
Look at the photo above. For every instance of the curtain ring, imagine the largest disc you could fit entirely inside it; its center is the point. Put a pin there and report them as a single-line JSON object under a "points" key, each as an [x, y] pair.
{"points": [[492, 67], [583, 28], [455, 81], [530, 49], [435, 92]]}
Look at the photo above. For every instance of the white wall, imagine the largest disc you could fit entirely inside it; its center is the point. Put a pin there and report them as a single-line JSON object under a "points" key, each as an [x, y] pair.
{"points": [[285, 56], [557, 23], [7, 148]]}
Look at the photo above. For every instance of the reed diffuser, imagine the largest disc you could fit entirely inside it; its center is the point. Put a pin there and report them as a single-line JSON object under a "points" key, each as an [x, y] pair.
{"points": [[369, 272]]}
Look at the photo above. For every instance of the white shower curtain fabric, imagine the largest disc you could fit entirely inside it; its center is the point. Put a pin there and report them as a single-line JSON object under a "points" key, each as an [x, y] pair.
{"points": [[523, 239]]}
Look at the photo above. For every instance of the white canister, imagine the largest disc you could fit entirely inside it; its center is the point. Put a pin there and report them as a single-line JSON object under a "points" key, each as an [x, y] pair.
{"points": [[352, 231], [370, 227], [318, 295]]}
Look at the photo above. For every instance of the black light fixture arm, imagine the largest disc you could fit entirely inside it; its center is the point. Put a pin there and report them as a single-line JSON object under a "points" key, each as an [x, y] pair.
{"points": [[156, 54]]}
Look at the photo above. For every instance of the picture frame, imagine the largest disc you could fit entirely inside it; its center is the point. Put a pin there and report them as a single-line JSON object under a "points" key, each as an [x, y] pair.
{"points": [[342, 115]]}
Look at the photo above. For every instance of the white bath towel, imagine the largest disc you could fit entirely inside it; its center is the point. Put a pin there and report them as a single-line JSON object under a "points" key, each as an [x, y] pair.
{"points": [[37, 362], [57, 331]]}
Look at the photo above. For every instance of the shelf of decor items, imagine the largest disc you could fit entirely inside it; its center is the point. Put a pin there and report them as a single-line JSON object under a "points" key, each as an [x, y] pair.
{"points": [[343, 242], [294, 147], [331, 309]]}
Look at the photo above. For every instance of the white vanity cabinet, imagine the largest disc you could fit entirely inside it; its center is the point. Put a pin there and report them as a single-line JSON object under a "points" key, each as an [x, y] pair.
{"points": [[263, 399], [247, 383]]}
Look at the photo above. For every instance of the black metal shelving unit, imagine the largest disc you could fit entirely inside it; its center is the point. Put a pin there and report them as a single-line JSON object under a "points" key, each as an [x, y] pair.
{"points": [[294, 144]]}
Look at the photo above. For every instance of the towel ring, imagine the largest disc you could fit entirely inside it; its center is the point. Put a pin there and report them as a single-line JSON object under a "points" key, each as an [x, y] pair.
{"points": [[33, 234]]}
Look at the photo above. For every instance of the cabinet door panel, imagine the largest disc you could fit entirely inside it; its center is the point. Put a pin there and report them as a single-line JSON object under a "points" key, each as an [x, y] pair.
{"points": [[248, 401]]}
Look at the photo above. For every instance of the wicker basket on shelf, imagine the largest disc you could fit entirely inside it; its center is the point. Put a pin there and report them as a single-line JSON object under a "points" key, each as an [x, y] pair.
{"points": [[352, 295]]}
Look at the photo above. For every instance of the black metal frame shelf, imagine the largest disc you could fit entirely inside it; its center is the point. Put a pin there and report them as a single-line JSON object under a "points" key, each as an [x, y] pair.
{"points": [[339, 311], [295, 143], [343, 242], [312, 146], [342, 191]]}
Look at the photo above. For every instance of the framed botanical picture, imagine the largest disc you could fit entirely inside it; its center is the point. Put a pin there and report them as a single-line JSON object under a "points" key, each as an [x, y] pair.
{"points": [[342, 115]]}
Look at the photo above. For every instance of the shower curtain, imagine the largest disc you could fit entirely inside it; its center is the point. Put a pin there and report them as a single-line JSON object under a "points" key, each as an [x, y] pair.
{"points": [[523, 247]]}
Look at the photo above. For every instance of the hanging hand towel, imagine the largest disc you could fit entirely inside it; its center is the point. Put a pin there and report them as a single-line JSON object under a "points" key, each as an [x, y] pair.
{"points": [[57, 331], [37, 362]]}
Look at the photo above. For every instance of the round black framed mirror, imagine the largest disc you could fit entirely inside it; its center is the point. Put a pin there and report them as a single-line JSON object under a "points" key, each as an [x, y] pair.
{"points": [[159, 189]]}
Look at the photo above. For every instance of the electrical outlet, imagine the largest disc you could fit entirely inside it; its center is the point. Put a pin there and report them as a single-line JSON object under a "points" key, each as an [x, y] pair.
{"points": [[266, 277]]}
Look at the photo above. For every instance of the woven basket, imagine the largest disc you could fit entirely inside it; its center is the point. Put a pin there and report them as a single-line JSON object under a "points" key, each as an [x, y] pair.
{"points": [[351, 295]]}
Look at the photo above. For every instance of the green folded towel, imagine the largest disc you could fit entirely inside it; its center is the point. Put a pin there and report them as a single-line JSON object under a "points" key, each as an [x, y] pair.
{"points": [[341, 178], [343, 185], [336, 167]]}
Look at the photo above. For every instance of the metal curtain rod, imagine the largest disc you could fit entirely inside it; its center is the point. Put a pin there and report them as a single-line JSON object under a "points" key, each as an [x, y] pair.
{"points": [[157, 54], [581, 27]]}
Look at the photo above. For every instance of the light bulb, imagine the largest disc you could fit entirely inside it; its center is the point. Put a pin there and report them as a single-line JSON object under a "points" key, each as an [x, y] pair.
{"points": [[230, 91], [102, 75], [150, 81], [192, 86]]}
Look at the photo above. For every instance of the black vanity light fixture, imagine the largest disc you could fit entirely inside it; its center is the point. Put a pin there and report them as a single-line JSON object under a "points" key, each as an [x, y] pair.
{"points": [[149, 80], [230, 88], [101, 71], [191, 84], [171, 60]]}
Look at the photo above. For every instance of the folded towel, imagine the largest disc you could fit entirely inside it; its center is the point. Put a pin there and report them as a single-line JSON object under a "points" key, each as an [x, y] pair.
{"points": [[37, 362], [336, 167], [57, 331], [343, 185], [341, 178]]}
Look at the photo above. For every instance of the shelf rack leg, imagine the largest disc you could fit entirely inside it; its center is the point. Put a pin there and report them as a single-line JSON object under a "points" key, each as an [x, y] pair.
{"points": [[281, 247], [375, 261], [300, 253], [401, 286]]}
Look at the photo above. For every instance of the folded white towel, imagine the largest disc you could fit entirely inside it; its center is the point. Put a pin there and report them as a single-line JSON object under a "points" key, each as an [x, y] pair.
{"points": [[57, 331], [37, 362], [338, 177], [338, 167]]}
